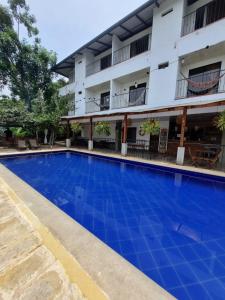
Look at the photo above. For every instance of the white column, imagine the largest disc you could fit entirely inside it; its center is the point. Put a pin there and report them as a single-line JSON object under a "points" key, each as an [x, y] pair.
{"points": [[180, 155], [68, 143], [124, 149], [90, 145]]}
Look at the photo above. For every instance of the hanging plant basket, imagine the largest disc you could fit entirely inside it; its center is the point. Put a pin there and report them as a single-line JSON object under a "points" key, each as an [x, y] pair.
{"points": [[103, 128], [76, 127], [220, 121], [151, 127]]}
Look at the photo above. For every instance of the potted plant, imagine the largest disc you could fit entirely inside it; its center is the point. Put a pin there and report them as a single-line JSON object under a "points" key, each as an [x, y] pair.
{"points": [[76, 128], [220, 121], [151, 127], [103, 128], [19, 133]]}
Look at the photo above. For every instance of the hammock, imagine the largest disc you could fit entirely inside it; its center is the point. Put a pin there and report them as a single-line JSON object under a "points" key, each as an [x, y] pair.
{"points": [[207, 85]]}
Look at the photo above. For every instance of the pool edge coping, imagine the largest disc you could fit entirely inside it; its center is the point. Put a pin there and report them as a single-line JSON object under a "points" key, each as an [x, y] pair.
{"points": [[45, 217], [183, 169]]}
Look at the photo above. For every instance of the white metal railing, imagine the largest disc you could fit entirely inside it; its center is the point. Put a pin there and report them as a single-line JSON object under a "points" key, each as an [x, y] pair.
{"points": [[135, 97], [204, 15]]}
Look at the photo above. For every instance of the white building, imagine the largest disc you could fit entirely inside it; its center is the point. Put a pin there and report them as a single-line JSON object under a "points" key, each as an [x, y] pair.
{"points": [[165, 59]]}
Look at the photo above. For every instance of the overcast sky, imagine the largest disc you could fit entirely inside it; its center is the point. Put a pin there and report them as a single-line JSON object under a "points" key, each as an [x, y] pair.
{"points": [[65, 25]]}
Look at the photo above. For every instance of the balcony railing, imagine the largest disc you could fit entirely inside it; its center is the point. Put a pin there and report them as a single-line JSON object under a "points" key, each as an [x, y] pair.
{"points": [[97, 104], [203, 16], [125, 53], [135, 97], [120, 55], [206, 83]]}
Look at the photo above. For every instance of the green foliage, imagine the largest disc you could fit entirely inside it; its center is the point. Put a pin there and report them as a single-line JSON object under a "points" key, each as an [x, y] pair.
{"points": [[13, 112], [151, 127], [19, 132], [76, 127], [24, 67], [220, 121], [103, 127], [20, 11]]}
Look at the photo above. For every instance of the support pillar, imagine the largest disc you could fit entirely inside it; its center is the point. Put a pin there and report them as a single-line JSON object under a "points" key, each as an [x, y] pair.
{"points": [[124, 141], [181, 148], [68, 140], [90, 141]]}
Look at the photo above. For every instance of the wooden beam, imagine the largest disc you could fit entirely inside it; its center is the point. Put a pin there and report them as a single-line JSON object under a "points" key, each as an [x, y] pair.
{"points": [[125, 129], [183, 126], [68, 129], [91, 129], [166, 109]]}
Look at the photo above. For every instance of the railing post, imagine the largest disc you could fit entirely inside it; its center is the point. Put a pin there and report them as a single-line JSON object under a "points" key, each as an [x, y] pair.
{"points": [[90, 141], [68, 140], [181, 148], [124, 141]]}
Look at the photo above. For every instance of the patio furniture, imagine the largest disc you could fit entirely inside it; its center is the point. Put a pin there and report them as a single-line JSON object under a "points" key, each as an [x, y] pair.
{"points": [[212, 159], [21, 145], [33, 144], [195, 157]]}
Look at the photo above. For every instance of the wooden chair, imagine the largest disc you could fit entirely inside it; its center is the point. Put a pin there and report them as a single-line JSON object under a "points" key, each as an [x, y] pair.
{"points": [[33, 144], [21, 145], [194, 157], [213, 160]]}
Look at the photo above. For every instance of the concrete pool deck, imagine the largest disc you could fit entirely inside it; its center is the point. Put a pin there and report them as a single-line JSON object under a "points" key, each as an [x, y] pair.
{"points": [[84, 265], [28, 269]]}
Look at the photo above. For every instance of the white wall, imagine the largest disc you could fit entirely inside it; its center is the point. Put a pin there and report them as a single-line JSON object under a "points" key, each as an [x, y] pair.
{"points": [[167, 45], [166, 32]]}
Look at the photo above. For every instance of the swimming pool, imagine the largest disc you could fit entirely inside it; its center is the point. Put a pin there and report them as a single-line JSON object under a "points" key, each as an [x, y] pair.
{"points": [[170, 225]]}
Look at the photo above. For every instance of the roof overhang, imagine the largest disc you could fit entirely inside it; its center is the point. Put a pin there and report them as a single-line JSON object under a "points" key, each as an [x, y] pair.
{"points": [[172, 108], [137, 21]]}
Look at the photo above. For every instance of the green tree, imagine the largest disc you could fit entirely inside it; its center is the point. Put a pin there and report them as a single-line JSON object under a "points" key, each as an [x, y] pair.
{"points": [[24, 67]]}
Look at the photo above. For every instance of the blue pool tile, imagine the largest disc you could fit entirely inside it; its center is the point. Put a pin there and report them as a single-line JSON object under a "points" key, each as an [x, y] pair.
{"points": [[174, 234], [198, 291], [170, 278], [215, 267], [185, 273], [201, 251], [181, 294], [126, 247], [215, 289], [188, 253], [201, 271], [160, 258], [146, 260]]}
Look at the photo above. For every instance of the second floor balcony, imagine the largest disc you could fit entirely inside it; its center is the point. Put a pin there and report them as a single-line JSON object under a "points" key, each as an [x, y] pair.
{"points": [[127, 52], [135, 97], [203, 16], [98, 104], [202, 84]]}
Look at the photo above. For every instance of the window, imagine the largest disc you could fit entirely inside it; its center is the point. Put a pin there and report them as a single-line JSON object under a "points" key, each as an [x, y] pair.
{"points": [[209, 75], [209, 13], [165, 13], [163, 65], [137, 94], [139, 46], [106, 62], [131, 134], [190, 2], [104, 101]]}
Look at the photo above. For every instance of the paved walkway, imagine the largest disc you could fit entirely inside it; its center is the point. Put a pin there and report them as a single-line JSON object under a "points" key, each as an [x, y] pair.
{"points": [[28, 270]]}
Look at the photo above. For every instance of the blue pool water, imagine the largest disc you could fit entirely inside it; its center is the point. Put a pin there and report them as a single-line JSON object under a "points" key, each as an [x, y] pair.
{"points": [[169, 225]]}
